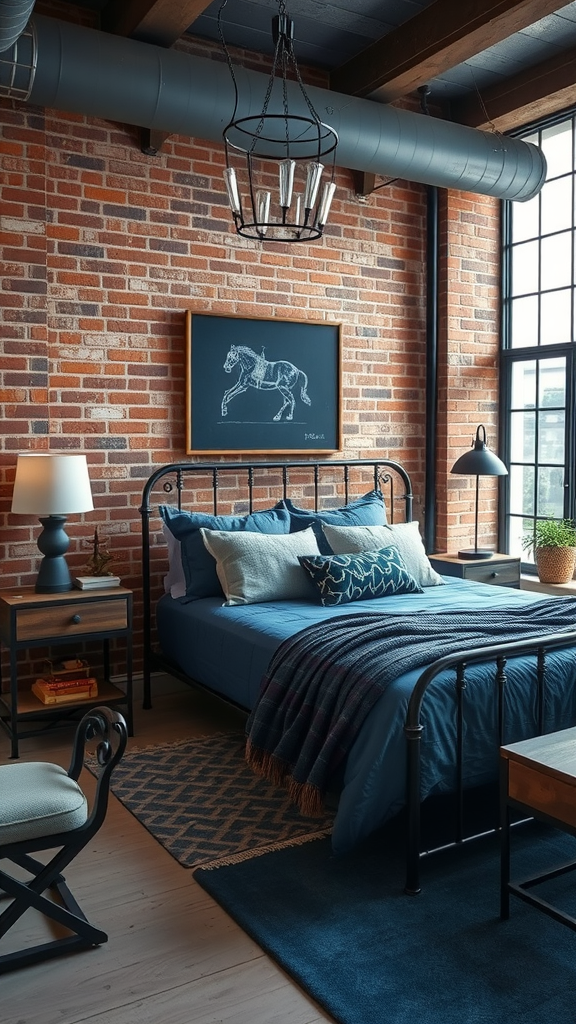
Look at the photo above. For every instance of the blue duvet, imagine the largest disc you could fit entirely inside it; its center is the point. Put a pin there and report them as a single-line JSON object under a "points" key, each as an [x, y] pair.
{"points": [[228, 649]]}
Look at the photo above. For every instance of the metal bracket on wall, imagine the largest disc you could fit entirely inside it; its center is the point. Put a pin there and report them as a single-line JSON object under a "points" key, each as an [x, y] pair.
{"points": [[152, 141], [366, 183]]}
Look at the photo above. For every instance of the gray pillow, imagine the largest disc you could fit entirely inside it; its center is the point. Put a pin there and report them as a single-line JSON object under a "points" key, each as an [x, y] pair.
{"points": [[254, 567], [406, 537]]}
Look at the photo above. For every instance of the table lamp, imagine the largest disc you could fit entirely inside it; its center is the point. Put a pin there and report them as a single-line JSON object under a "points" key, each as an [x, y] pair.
{"points": [[480, 461], [52, 487]]}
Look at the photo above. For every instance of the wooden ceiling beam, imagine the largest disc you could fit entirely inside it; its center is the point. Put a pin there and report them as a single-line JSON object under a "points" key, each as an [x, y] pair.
{"points": [[537, 92], [153, 21], [441, 36]]}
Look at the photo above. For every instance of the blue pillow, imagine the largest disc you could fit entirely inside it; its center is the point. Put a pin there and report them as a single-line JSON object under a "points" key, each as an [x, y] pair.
{"points": [[369, 510], [344, 578], [198, 564]]}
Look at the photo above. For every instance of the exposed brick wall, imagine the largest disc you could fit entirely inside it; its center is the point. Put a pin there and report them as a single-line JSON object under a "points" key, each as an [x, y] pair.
{"points": [[468, 362], [104, 250]]}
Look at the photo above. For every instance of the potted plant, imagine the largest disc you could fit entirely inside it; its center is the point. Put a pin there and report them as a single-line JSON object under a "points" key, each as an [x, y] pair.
{"points": [[553, 542]]}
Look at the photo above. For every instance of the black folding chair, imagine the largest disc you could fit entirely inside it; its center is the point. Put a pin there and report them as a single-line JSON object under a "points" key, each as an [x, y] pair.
{"points": [[42, 807]]}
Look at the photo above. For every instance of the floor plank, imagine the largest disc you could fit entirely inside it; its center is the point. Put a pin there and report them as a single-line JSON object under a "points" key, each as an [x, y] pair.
{"points": [[173, 955]]}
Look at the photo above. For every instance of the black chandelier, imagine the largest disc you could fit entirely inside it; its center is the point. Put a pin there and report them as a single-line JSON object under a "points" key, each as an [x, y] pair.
{"points": [[274, 165]]}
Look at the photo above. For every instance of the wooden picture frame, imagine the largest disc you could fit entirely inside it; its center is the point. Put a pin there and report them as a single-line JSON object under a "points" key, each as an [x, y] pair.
{"points": [[262, 385]]}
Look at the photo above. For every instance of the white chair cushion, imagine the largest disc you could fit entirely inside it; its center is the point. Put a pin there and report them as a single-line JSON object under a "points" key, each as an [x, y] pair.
{"points": [[38, 799]]}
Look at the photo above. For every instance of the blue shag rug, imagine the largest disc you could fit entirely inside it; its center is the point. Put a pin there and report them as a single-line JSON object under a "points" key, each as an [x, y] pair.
{"points": [[344, 930]]}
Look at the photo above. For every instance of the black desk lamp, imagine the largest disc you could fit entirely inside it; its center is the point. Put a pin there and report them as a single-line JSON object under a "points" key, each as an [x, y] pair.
{"points": [[480, 461]]}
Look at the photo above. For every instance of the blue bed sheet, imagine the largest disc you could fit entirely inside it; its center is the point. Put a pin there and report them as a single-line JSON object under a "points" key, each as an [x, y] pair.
{"points": [[228, 649]]}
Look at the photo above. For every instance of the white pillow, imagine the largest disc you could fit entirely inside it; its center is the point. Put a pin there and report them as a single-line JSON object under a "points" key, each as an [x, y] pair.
{"points": [[255, 567], [174, 581], [345, 540]]}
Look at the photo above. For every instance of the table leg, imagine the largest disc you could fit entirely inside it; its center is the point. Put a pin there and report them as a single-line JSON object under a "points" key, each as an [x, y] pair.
{"points": [[13, 703], [504, 842], [129, 709]]}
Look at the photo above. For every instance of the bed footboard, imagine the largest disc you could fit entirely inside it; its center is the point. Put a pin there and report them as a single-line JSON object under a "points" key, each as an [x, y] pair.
{"points": [[498, 655]]}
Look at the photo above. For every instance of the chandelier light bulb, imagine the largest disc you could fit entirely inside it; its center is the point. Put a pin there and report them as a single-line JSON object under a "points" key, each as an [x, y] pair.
{"points": [[313, 176], [286, 170], [326, 202], [263, 210], [232, 190], [297, 206]]}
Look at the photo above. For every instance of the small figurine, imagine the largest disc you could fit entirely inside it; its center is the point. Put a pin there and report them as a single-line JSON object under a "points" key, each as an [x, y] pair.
{"points": [[98, 562]]}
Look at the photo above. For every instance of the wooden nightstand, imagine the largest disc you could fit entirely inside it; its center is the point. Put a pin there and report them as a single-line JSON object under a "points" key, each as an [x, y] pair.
{"points": [[28, 619], [498, 570]]}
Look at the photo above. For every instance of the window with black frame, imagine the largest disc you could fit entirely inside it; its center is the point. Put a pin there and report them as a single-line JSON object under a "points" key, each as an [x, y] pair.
{"points": [[538, 345]]}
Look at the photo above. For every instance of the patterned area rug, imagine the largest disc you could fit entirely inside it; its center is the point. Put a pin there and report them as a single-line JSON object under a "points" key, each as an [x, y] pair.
{"points": [[200, 800]]}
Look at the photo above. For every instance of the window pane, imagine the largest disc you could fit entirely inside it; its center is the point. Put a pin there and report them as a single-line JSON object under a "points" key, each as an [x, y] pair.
{"points": [[556, 197], [525, 220], [524, 322], [552, 383], [522, 490], [516, 534], [524, 385], [522, 436], [555, 321], [556, 259], [525, 268], [540, 289], [551, 491], [551, 437], [557, 147]]}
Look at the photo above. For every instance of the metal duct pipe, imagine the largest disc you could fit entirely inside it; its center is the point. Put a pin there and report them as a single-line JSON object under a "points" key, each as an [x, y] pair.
{"points": [[102, 75], [14, 16]]}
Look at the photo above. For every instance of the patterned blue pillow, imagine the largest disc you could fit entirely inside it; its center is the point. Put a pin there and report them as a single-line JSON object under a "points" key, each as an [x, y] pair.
{"points": [[359, 577]]}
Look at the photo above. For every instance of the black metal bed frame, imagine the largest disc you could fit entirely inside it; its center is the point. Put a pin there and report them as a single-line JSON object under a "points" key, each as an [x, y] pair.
{"points": [[384, 474]]}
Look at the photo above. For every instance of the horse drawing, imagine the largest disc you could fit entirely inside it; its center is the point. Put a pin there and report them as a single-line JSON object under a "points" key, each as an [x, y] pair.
{"points": [[258, 372]]}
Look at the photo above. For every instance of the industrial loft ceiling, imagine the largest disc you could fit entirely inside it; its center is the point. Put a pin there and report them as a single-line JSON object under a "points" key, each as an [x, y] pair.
{"points": [[488, 63]]}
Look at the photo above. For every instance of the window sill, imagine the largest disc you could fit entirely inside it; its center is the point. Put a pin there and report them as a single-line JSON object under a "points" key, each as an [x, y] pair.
{"points": [[558, 589]]}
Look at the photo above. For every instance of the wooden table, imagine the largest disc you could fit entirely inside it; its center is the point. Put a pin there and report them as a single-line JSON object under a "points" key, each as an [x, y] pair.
{"points": [[538, 777]]}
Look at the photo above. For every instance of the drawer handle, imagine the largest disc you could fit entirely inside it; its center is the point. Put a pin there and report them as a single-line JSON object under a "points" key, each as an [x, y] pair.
{"points": [[76, 619], [494, 575]]}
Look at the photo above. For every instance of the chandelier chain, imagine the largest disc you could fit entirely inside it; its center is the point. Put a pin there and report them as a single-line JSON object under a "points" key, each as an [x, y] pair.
{"points": [[228, 57]]}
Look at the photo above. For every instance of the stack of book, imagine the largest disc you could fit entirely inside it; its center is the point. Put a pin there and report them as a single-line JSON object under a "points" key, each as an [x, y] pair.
{"points": [[63, 691], [95, 582]]}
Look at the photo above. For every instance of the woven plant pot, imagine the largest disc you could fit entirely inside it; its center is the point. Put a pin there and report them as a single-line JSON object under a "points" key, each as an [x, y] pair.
{"points": [[555, 565]]}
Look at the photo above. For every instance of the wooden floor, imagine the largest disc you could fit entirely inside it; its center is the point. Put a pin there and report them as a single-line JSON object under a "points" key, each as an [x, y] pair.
{"points": [[173, 955]]}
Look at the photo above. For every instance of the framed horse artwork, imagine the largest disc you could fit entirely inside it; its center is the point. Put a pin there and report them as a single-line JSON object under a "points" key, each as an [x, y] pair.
{"points": [[262, 385]]}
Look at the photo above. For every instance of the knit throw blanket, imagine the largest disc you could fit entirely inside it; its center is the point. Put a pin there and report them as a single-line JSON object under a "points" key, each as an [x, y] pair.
{"points": [[321, 683]]}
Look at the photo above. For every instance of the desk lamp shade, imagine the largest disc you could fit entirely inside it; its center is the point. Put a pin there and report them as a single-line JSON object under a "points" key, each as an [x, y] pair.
{"points": [[52, 487], [479, 461]]}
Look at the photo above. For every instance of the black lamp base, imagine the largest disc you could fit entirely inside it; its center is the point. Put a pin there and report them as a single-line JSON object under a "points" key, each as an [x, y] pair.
{"points": [[54, 575], [479, 553]]}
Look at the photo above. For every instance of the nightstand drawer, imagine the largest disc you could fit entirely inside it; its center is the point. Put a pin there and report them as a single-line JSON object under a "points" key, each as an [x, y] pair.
{"points": [[506, 574], [498, 570], [71, 619]]}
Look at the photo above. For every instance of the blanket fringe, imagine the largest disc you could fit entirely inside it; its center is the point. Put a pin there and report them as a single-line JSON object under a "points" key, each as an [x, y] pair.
{"points": [[306, 797], [239, 858]]}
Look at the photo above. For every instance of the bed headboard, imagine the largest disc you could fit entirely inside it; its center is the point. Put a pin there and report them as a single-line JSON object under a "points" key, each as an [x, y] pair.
{"points": [[242, 487]]}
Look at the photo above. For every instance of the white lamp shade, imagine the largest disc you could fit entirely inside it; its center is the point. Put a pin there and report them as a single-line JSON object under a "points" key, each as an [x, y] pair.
{"points": [[51, 485]]}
